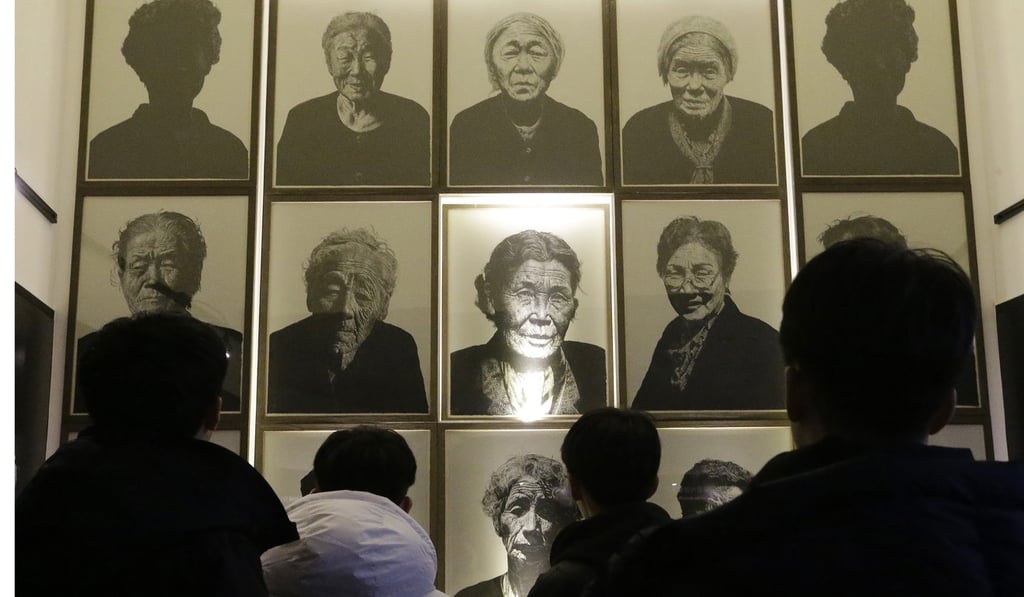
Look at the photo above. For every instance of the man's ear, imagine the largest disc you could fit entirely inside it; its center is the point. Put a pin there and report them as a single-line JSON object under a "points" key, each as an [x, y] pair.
{"points": [[406, 504], [797, 405], [212, 417], [574, 488], [944, 414]]}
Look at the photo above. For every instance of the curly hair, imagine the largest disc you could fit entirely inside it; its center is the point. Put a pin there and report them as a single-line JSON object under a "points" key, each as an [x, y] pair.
{"points": [[686, 229], [548, 472], [542, 27], [323, 255], [856, 25], [715, 473], [191, 244], [163, 25], [862, 227], [353, 21]]}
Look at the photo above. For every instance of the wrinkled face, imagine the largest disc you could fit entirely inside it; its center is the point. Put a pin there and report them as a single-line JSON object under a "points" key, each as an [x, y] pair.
{"points": [[354, 62], [348, 284], [694, 282], [712, 496], [523, 62], [176, 73], [534, 308], [530, 521], [697, 75], [155, 271]]}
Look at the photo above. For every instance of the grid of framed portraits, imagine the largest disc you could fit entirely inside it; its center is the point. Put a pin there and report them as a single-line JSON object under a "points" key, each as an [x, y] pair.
{"points": [[472, 220]]}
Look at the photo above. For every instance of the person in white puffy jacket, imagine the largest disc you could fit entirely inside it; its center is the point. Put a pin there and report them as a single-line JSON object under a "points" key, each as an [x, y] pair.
{"points": [[356, 536]]}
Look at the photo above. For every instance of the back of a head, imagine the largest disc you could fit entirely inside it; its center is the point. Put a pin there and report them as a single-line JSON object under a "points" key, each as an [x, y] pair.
{"points": [[614, 454], [879, 328], [154, 375], [366, 458]]}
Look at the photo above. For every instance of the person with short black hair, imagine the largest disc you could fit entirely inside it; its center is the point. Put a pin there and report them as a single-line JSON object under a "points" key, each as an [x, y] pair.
{"points": [[709, 484], [137, 504], [874, 336], [612, 458], [357, 537]]}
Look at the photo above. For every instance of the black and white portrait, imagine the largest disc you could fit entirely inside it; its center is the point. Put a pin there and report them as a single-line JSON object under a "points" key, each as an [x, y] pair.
{"points": [[696, 92], [166, 254], [334, 344], [527, 289], [830, 218], [352, 93], [704, 468], [170, 90], [875, 88], [522, 115], [717, 351], [506, 501], [288, 459]]}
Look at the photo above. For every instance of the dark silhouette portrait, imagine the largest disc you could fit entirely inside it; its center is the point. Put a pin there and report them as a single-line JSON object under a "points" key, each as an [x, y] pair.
{"points": [[528, 368], [521, 136], [709, 484], [701, 135], [357, 134], [872, 44], [159, 259], [528, 501], [344, 358], [171, 46], [868, 226], [712, 356]]}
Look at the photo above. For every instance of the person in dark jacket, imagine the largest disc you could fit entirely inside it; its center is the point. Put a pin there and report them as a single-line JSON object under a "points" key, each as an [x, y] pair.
{"points": [[140, 503], [521, 136], [701, 135], [612, 458], [874, 336], [712, 356]]}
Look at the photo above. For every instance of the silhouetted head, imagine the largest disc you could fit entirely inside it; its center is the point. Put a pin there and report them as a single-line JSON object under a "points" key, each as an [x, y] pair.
{"points": [[862, 227], [614, 455], [709, 484], [875, 336], [366, 458], [153, 375]]}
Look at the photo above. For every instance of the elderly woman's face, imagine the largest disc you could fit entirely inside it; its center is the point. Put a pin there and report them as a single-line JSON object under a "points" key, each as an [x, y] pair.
{"points": [[530, 520], [697, 75], [523, 61], [156, 270], [535, 307], [694, 281], [354, 62]]}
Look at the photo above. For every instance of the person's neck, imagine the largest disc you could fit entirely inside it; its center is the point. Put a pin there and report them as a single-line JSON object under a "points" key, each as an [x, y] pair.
{"points": [[700, 129], [522, 575], [358, 115], [172, 110], [523, 113], [874, 104]]}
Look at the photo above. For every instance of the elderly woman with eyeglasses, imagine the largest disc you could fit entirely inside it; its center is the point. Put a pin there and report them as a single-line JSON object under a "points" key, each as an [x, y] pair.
{"points": [[701, 136], [711, 356], [521, 136]]}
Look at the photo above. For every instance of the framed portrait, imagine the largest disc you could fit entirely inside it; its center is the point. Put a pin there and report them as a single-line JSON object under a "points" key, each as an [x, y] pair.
{"points": [[347, 307], [526, 93], [169, 91], [896, 217], [287, 459], [702, 287], [526, 305], [697, 89], [491, 477], [971, 437], [204, 270], [875, 88], [703, 468], [351, 93]]}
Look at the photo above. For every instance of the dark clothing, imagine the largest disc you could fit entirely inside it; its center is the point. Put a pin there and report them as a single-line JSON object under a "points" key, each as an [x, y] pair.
{"points": [[384, 376], [487, 588], [316, 148], [487, 150], [651, 157], [583, 548], [112, 516], [860, 143], [739, 368], [150, 146], [469, 380], [231, 389], [836, 518]]}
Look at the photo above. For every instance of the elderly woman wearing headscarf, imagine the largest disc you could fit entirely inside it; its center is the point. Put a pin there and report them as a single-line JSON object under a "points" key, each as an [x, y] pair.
{"points": [[521, 136], [701, 136], [358, 134]]}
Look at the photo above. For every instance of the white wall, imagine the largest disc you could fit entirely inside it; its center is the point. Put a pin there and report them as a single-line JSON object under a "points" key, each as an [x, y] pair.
{"points": [[49, 44]]}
